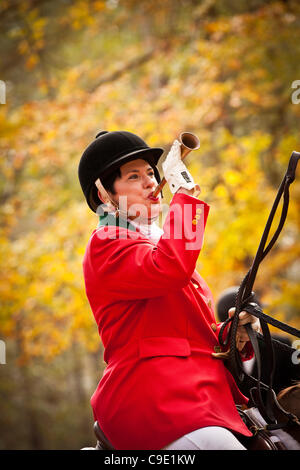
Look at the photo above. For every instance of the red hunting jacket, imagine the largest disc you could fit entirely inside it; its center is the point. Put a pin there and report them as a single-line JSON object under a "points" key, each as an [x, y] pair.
{"points": [[155, 316]]}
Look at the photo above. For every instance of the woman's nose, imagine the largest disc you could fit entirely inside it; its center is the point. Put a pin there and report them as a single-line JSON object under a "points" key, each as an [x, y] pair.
{"points": [[149, 181]]}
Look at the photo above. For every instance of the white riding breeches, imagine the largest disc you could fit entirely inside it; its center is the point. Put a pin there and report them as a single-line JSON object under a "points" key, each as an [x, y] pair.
{"points": [[209, 438]]}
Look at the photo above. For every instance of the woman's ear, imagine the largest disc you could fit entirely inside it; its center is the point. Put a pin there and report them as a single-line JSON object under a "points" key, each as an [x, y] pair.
{"points": [[105, 197]]}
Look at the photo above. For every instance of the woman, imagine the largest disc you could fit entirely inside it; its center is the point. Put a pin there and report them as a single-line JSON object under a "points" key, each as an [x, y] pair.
{"points": [[163, 386]]}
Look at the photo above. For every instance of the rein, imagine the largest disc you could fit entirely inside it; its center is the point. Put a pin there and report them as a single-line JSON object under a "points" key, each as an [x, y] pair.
{"points": [[262, 395]]}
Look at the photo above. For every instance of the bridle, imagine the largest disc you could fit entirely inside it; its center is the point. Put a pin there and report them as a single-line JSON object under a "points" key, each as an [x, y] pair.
{"points": [[262, 395]]}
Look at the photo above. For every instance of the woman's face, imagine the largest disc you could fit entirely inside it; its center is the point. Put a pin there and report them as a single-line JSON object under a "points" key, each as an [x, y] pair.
{"points": [[133, 191]]}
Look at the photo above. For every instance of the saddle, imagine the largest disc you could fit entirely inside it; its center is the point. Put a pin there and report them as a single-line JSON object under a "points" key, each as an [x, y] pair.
{"points": [[262, 438], [102, 441]]}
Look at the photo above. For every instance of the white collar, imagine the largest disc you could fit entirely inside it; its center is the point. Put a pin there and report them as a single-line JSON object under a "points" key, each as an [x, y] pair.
{"points": [[151, 231]]}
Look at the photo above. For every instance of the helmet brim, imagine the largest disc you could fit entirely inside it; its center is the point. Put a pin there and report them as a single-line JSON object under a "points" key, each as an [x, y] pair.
{"points": [[151, 155]]}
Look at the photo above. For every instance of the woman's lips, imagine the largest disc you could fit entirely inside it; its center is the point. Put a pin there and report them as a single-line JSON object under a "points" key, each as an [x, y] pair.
{"points": [[152, 198]]}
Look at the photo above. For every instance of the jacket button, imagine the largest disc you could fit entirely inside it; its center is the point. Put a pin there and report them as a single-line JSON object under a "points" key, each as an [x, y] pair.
{"points": [[213, 327], [217, 349], [209, 303]]}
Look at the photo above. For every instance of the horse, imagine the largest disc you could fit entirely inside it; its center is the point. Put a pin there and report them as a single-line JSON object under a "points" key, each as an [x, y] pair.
{"points": [[289, 399]]}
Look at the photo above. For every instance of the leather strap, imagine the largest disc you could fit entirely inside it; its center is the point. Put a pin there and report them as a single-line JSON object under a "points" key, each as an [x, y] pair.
{"points": [[243, 297], [109, 203]]}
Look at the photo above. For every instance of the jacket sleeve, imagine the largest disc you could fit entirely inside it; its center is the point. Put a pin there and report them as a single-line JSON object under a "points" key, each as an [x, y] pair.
{"points": [[128, 266]]}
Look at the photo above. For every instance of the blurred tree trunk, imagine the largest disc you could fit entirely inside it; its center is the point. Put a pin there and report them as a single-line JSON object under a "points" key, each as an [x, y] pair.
{"points": [[27, 391], [79, 389]]}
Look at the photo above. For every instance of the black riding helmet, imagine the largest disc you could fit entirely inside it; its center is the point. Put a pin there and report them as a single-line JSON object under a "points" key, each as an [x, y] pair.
{"points": [[106, 153]]}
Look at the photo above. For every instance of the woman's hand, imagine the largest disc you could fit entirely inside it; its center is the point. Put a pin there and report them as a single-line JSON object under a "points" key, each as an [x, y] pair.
{"points": [[176, 173], [242, 335], [189, 192]]}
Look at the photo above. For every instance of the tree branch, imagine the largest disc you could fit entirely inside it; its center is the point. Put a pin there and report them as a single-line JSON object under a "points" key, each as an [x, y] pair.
{"points": [[134, 63]]}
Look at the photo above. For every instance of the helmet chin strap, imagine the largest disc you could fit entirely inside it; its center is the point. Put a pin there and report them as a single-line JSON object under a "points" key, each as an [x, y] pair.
{"points": [[111, 205]]}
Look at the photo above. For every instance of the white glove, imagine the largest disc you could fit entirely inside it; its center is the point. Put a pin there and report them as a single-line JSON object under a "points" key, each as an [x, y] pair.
{"points": [[175, 171]]}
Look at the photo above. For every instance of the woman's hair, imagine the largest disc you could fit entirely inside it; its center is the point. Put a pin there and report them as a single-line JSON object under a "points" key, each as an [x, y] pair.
{"points": [[109, 181]]}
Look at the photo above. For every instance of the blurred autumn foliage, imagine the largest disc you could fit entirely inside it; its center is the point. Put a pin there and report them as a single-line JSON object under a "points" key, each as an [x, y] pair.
{"points": [[223, 70]]}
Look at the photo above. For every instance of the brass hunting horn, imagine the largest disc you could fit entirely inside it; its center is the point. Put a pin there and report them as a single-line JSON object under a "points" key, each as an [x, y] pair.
{"points": [[188, 143]]}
